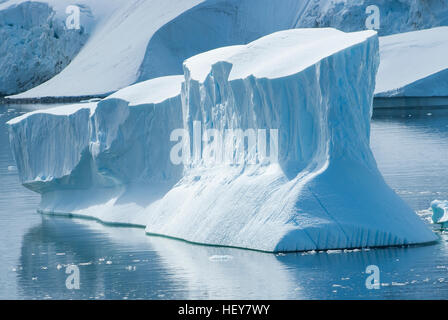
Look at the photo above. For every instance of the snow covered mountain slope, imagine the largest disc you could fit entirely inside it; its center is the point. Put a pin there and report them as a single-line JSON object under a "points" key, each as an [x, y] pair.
{"points": [[396, 16], [414, 64], [116, 160]]}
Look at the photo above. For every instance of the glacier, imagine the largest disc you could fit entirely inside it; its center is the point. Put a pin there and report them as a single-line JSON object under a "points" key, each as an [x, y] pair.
{"points": [[396, 16], [165, 33], [110, 160], [36, 44]]}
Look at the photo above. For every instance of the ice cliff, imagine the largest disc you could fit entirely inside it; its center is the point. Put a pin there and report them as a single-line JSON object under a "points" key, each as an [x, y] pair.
{"points": [[36, 43], [396, 16], [34, 46], [112, 160]]}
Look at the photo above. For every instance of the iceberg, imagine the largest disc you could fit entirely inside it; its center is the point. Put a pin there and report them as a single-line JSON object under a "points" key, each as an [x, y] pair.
{"points": [[113, 159], [414, 64], [440, 212]]}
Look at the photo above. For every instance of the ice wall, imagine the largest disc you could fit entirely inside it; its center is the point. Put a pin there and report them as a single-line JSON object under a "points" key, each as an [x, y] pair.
{"points": [[34, 46], [315, 86]]}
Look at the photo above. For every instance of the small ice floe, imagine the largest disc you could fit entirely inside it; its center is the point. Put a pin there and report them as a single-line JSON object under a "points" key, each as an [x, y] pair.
{"points": [[131, 268], [400, 283], [108, 262], [220, 258], [59, 267], [12, 168], [440, 212], [34, 278], [85, 263], [44, 268], [11, 110], [280, 254], [333, 251], [429, 114], [60, 254]]}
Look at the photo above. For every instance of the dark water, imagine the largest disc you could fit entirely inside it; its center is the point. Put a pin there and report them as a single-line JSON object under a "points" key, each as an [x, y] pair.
{"points": [[123, 263]]}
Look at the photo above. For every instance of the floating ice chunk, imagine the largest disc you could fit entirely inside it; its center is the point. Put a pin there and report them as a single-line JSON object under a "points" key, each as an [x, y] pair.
{"points": [[440, 212], [112, 160]]}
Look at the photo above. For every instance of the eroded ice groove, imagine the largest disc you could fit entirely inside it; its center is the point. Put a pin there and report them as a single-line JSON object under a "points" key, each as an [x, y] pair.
{"points": [[315, 86], [414, 64]]}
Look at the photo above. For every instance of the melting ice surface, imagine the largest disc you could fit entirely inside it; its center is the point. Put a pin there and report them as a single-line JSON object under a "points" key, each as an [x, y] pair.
{"points": [[119, 263], [111, 160]]}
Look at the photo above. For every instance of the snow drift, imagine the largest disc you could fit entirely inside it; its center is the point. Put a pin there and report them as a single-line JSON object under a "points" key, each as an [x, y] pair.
{"points": [[111, 160]]}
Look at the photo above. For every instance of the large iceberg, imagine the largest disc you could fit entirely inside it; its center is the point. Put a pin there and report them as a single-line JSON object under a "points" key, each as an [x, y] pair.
{"points": [[414, 64], [312, 89]]}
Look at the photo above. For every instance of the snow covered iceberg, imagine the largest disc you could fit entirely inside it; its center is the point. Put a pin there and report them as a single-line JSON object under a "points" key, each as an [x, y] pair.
{"points": [[414, 64], [111, 160]]}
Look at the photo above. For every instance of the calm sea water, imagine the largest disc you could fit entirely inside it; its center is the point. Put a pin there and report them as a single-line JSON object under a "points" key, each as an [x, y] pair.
{"points": [[411, 148]]}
